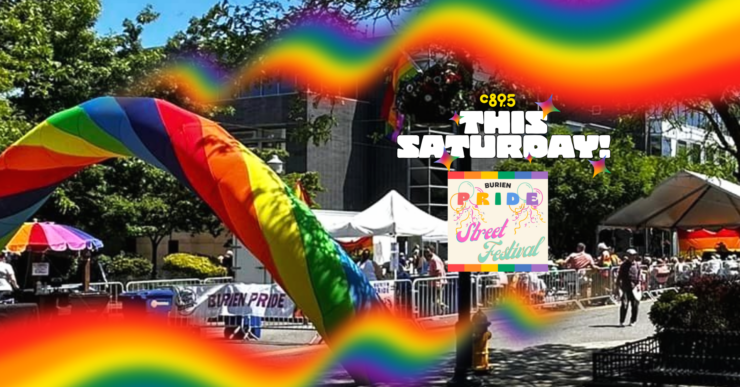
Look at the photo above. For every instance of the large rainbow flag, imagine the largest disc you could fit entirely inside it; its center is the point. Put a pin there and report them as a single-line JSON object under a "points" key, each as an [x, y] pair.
{"points": [[405, 68], [251, 200]]}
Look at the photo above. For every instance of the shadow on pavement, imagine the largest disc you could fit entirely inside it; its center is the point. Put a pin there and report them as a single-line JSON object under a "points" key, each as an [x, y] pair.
{"points": [[540, 366]]}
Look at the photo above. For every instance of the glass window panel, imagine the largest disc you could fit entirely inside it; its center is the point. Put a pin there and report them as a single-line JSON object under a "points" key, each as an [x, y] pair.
{"points": [[696, 153], [273, 134], [270, 87], [681, 147], [287, 85], [439, 177], [667, 148], [420, 195], [439, 211], [439, 195], [420, 176], [656, 127], [255, 90], [416, 163], [655, 145]]}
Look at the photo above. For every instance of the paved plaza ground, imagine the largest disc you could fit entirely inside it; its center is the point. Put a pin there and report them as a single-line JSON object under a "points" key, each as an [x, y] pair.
{"points": [[561, 356]]}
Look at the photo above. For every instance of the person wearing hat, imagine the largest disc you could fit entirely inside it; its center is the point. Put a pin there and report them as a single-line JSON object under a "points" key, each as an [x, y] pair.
{"points": [[628, 283], [8, 284], [604, 256]]}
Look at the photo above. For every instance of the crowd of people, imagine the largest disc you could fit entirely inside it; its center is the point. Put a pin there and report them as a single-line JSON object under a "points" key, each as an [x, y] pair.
{"points": [[415, 264]]}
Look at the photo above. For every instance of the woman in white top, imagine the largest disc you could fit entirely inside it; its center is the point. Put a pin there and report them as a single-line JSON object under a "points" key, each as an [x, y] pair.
{"points": [[367, 266]]}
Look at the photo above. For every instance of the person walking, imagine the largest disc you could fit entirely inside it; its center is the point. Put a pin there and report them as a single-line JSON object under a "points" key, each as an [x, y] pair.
{"points": [[628, 283]]}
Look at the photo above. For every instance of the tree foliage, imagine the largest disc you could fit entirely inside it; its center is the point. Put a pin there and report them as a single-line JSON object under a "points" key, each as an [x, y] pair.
{"points": [[192, 266], [51, 59]]}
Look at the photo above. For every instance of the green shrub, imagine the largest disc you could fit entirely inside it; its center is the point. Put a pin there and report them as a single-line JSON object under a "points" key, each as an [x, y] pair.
{"points": [[674, 310], [183, 265], [705, 303], [124, 268]]}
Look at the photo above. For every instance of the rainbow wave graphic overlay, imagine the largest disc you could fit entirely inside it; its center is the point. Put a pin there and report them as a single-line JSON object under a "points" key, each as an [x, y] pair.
{"points": [[80, 351], [627, 51]]}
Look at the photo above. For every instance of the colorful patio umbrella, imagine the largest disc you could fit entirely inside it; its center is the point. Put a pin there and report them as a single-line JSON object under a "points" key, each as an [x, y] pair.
{"points": [[42, 236]]}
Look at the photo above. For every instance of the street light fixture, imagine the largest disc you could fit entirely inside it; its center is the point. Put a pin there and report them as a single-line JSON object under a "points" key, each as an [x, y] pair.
{"points": [[276, 164]]}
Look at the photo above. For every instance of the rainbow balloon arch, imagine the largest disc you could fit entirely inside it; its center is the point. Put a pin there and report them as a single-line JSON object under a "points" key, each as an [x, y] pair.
{"points": [[250, 198]]}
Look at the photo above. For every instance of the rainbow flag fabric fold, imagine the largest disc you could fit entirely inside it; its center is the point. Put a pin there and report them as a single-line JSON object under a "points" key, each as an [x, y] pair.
{"points": [[251, 200], [404, 69]]}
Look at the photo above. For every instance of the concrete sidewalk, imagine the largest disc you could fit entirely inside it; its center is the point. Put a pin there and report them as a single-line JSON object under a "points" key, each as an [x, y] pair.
{"points": [[561, 356]]}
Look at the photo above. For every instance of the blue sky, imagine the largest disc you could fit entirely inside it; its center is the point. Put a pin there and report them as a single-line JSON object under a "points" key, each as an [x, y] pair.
{"points": [[174, 16]]}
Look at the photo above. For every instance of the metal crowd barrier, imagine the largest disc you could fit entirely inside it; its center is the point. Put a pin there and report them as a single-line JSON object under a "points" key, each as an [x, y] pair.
{"points": [[436, 297], [135, 286], [113, 288]]}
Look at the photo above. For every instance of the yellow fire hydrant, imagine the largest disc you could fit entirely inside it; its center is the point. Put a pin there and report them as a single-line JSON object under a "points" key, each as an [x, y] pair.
{"points": [[481, 335]]}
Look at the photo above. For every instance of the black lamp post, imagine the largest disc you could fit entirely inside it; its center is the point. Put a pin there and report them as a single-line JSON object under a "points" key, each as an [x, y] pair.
{"points": [[464, 347]]}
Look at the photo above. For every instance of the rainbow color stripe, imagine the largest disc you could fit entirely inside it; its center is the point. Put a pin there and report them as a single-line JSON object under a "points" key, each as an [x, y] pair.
{"points": [[251, 200], [141, 351], [405, 68], [610, 52], [462, 175], [511, 268]]}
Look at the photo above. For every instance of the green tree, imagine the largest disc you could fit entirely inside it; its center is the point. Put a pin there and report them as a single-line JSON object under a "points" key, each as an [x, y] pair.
{"points": [[720, 117], [52, 59], [154, 207], [578, 202]]}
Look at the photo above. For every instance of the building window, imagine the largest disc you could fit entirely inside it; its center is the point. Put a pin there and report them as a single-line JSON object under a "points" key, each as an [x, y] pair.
{"points": [[439, 212], [418, 163], [696, 153], [655, 145], [420, 176], [667, 147], [439, 176], [254, 90], [439, 195], [287, 86], [655, 129], [270, 87], [420, 195], [681, 147]]}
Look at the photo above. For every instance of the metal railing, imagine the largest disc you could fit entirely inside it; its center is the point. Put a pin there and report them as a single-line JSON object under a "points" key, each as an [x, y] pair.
{"points": [[431, 298], [135, 286]]}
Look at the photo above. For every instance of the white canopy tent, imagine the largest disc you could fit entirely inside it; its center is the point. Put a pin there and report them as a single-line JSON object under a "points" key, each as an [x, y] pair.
{"points": [[686, 200], [392, 215]]}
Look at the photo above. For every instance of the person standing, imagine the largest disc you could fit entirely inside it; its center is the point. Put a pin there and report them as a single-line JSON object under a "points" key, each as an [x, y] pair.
{"points": [[581, 261], [437, 269], [8, 284], [368, 267], [628, 283]]}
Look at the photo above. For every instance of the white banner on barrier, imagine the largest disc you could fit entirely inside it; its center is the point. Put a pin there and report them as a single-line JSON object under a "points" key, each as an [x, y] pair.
{"points": [[386, 290], [235, 299]]}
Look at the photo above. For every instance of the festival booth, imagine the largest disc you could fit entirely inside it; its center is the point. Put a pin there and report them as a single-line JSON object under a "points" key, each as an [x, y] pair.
{"points": [[392, 216], [687, 202], [41, 243]]}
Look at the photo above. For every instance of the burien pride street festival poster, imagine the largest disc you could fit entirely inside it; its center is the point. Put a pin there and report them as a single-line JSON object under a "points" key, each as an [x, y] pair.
{"points": [[497, 221]]}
